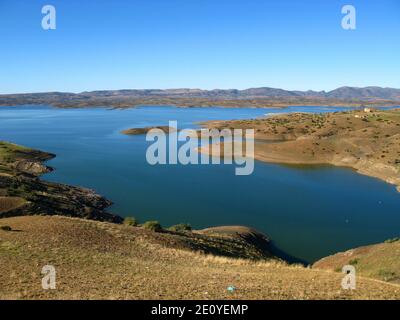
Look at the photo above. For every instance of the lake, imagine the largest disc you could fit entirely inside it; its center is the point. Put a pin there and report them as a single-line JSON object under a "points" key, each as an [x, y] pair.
{"points": [[309, 212]]}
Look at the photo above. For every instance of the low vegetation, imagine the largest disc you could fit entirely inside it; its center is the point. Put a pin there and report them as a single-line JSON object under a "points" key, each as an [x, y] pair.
{"points": [[392, 240], [182, 227], [131, 221], [379, 261], [153, 226]]}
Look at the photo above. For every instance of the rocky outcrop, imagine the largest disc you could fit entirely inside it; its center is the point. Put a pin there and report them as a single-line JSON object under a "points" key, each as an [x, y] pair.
{"points": [[21, 180], [32, 167]]}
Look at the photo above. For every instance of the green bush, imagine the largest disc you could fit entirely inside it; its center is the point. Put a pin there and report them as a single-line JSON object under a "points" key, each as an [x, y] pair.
{"points": [[180, 227], [153, 226], [131, 221], [5, 228], [386, 275]]}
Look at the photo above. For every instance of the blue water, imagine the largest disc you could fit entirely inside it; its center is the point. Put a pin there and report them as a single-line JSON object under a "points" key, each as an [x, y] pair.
{"points": [[309, 212]]}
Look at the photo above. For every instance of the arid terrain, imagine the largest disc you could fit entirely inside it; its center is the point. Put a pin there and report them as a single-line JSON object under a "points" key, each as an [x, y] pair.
{"points": [[379, 261], [368, 142], [100, 260]]}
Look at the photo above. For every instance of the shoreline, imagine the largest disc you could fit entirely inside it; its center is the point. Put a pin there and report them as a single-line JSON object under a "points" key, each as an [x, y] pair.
{"points": [[224, 242], [360, 169], [364, 142], [20, 172], [32, 196]]}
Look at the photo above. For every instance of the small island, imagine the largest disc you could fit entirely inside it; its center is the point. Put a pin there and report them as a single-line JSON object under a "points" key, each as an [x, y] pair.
{"points": [[145, 130]]}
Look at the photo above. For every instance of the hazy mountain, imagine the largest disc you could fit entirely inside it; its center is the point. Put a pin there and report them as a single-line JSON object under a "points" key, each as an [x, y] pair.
{"points": [[362, 93], [129, 97], [264, 92]]}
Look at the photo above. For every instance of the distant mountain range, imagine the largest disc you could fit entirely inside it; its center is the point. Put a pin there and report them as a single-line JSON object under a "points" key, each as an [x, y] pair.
{"points": [[189, 97]]}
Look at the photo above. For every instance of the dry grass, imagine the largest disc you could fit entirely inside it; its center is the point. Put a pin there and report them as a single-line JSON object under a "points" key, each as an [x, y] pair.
{"points": [[380, 261], [10, 203], [96, 260]]}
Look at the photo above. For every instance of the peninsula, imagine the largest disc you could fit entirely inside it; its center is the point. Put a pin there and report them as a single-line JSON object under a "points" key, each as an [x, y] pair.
{"points": [[366, 140]]}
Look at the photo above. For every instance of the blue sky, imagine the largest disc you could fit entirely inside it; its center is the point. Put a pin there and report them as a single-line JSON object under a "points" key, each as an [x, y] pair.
{"points": [[205, 44]]}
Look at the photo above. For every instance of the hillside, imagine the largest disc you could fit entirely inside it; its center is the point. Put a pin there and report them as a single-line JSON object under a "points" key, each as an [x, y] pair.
{"points": [[379, 261], [100, 260], [368, 142]]}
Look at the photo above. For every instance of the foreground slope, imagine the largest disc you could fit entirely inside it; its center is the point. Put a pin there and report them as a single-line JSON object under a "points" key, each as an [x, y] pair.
{"points": [[380, 261], [101, 260]]}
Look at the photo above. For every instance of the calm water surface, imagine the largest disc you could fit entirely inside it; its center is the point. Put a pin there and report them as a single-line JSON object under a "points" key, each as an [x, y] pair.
{"points": [[309, 212]]}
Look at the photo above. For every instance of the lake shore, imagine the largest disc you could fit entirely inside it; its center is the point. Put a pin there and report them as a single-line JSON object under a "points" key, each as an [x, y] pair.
{"points": [[368, 142], [54, 218], [22, 192]]}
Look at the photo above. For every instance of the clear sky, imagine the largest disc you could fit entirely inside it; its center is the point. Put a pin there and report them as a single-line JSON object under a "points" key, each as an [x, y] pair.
{"points": [[206, 44]]}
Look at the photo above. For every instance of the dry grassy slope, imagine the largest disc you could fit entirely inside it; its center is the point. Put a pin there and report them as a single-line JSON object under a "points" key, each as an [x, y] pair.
{"points": [[379, 261], [10, 203], [98, 260]]}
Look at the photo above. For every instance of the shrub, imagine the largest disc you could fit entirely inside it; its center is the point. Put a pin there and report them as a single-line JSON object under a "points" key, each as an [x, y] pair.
{"points": [[5, 228], [353, 262], [131, 221], [392, 240], [153, 226], [180, 227], [387, 275]]}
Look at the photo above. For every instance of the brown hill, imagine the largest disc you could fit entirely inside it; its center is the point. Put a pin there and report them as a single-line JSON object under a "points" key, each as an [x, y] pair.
{"points": [[100, 260]]}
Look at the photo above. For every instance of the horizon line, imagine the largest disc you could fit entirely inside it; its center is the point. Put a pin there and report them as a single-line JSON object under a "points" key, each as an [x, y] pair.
{"points": [[199, 89]]}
